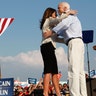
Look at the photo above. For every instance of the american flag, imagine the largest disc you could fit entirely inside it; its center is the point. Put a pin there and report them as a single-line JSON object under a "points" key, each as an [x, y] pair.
{"points": [[4, 23]]}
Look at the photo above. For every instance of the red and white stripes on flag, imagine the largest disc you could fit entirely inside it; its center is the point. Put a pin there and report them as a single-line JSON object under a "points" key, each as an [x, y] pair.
{"points": [[4, 23]]}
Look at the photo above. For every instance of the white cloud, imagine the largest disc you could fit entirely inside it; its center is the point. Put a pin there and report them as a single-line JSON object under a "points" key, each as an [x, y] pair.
{"points": [[33, 57], [61, 56], [30, 64]]}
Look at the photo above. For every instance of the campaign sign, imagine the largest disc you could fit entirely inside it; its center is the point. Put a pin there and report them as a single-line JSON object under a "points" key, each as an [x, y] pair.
{"points": [[6, 86], [92, 73], [87, 36], [32, 80]]}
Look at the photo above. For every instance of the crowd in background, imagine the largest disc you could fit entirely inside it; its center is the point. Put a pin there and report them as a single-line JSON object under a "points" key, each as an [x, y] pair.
{"points": [[37, 89]]}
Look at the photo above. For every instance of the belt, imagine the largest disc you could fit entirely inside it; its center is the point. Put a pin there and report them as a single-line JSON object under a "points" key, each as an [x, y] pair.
{"points": [[72, 38]]}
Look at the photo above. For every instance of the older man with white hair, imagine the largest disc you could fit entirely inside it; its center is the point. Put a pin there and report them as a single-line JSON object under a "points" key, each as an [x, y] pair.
{"points": [[70, 28]]}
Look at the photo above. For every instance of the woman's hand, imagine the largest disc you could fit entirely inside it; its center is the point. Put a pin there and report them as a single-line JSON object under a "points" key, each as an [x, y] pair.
{"points": [[72, 12], [47, 34]]}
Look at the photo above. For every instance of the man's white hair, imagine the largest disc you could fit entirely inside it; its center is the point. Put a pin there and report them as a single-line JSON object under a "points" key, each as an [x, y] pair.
{"points": [[65, 4]]}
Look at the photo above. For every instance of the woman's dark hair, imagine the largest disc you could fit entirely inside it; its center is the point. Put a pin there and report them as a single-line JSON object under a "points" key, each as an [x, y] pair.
{"points": [[48, 13]]}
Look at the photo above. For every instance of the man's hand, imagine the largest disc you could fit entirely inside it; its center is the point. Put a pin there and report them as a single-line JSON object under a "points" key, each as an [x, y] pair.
{"points": [[47, 34], [72, 12]]}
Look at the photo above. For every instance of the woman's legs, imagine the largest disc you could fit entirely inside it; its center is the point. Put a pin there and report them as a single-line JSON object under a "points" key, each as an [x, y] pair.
{"points": [[56, 84], [46, 81], [55, 81]]}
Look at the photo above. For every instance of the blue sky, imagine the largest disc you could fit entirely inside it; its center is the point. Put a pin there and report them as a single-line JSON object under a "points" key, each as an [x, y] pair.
{"points": [[19, 44]]}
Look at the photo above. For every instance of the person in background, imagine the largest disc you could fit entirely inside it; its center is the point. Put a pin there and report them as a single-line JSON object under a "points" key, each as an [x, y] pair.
{"points": [[65, 89], [70, 28], [47, 48]]}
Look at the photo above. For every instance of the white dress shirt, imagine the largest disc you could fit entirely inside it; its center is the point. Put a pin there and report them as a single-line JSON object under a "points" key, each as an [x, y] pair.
{"points": [[69, 27]]}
